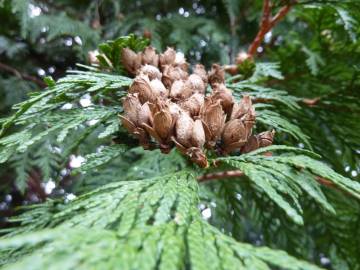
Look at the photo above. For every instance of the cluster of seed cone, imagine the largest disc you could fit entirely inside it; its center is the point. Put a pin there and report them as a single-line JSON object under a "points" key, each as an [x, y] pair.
{"points": [[168, 105]]}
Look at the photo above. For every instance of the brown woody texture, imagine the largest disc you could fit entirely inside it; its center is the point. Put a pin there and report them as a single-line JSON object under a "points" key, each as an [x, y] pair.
{"points": [[170, 107]]}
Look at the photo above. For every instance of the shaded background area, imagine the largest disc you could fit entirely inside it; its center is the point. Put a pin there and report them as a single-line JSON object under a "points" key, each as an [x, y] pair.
{"points": [[316, 45]]}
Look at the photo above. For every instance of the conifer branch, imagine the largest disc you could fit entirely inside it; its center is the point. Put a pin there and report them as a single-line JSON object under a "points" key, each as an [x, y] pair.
{"points": [[267, 23]]}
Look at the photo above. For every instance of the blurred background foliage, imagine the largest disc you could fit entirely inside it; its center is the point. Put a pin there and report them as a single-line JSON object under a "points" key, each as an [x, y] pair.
{"points": [[318, 50]]}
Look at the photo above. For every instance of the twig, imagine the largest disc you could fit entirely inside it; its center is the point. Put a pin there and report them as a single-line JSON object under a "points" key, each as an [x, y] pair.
{"points": [[23, 76], [220, 175], [239, 173], [324, 181], [311, 101], [267, 23]]}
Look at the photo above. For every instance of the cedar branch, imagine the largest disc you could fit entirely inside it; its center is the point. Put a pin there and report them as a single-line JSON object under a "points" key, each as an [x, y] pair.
{"points": [[267, 23]]}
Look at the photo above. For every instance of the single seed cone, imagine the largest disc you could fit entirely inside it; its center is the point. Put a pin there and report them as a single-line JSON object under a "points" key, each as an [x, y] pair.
{"points": [[213, 118], [200, 71], [220, 92], [150, 57], [130, 60], [168, 57], [193, 104], [195, 83], [234, 135], [216, 75], [150, 71]]}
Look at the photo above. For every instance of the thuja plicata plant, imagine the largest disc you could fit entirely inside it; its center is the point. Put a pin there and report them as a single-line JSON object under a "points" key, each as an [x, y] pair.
{"points": [[171, 107], [165, 142]]}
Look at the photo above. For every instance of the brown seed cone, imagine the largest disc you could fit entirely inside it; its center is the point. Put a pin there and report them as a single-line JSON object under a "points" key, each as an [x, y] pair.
{"points": [[257, 141], [180, 61], [163, 124], [193, 104], [197, 156], [177, 88], [167, 58], [127, 124], [170, 106], [150, 57], [171, 74], [130, 60], [180, 90], [234, 135], [141, 86], [234, 131], [200, 70], [131, 106], [242, 108], [198, 134], [216, 75], [190, 138], [158, 88], [183, 129], [135, 115], [151, 71], [220, 92], [213, 118], [195, 83], [137, 132], [189, 133], [144, 115], [143, 137], [266, 138], [251, 145]]}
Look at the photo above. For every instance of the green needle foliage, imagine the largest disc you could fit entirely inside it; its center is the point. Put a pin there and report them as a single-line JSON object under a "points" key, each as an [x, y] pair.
{"points": [[292, 205]]}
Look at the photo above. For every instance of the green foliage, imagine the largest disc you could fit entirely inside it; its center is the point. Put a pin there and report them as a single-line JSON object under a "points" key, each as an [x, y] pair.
{"points": [[61, 25], [120, 215], [264, 70], [264, 94], [314, 61], [112, 50], [271, 118], [141, 209], [55, 25], [105, 155], [284, 178]]}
